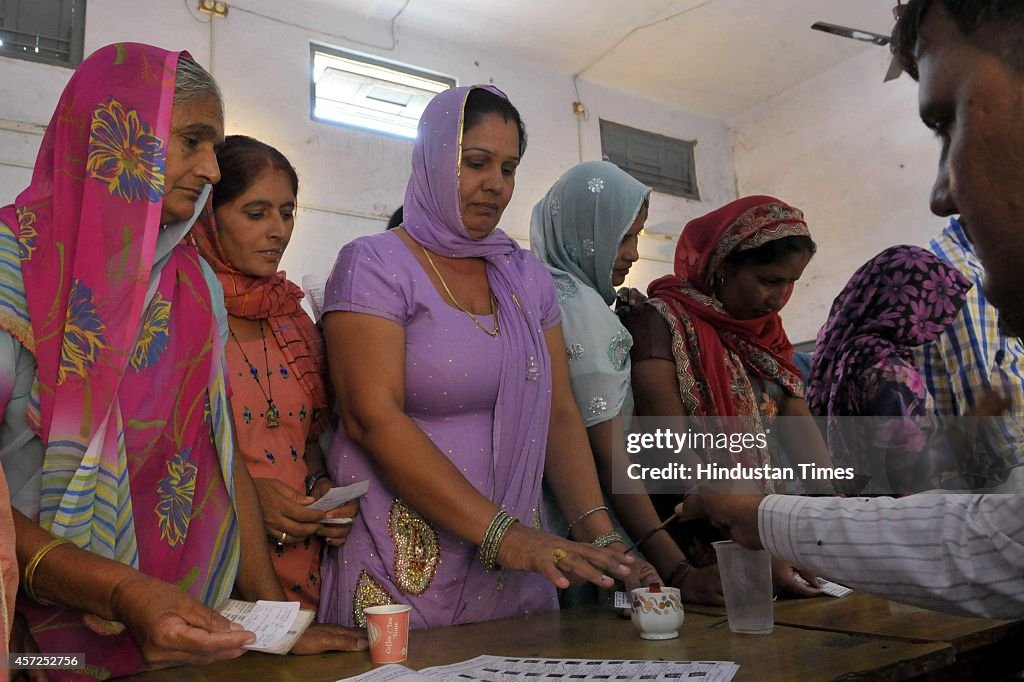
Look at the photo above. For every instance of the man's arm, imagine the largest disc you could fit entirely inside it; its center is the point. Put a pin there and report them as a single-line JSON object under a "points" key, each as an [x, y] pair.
{"points": [[961, 554]]}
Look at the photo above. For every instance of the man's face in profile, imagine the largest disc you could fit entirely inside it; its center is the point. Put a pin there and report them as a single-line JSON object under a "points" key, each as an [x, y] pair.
{"points": [[974, 101]]}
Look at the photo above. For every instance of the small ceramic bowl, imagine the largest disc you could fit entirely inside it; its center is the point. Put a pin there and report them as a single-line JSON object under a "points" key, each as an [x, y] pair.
{"points": [[657, 615]]}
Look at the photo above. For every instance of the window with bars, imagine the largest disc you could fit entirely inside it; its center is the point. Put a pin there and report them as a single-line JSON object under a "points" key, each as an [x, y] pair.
{"points": [[370, 93], [49, 31], [664, 163]]}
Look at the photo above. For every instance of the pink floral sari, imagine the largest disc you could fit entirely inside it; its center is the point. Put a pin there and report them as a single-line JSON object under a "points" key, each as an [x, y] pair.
{"points": [[8, 571], [131, 400]]}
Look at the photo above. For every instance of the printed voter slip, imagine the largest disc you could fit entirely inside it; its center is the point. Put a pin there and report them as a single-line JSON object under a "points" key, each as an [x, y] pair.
{"points": [[833, 589], [828, 587], [336, 497], [276, 624], [556, 670]]}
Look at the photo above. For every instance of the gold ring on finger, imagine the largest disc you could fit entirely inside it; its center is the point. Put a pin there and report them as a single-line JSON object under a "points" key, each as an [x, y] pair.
{"points": [[558, 554]]}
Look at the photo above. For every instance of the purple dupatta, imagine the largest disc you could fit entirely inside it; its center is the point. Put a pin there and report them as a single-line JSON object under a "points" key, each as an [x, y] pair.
{"points": [[433, 219]]}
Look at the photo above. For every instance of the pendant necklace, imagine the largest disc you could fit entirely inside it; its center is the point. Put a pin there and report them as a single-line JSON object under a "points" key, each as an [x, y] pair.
{"points": [[273, 415]]}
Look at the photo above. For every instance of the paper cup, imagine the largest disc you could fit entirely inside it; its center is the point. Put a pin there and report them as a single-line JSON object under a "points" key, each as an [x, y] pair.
{"points": [[388, 630], [747, 584]]}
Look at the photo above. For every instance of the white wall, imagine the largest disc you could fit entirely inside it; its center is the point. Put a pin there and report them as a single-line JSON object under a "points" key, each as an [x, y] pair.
{"points": [[852, 153], [350, 180]]}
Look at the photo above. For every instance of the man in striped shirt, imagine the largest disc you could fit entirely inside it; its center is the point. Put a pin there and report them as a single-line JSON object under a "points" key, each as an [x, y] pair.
{"points": [[971, 358], [956, 553]]}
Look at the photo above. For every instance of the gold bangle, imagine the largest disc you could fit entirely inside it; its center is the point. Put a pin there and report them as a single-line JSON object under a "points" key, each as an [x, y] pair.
{"points": [[568, 531], [33, 564], [493, 537]]}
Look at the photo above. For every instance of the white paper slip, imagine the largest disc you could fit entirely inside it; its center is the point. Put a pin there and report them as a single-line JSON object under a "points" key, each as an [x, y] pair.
{"points": [[336, 522], [313, 286], [392, 672], [622, 601], [336, 497], [828, 587], [276, 624], [833, 589]]}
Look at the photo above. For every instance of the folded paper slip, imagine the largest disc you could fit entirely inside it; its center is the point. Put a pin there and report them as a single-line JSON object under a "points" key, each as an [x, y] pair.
{"points": [[276, 624]]}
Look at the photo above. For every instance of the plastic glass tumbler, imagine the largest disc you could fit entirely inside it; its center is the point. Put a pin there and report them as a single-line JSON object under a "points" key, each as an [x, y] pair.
{"points": [[747, 584]]}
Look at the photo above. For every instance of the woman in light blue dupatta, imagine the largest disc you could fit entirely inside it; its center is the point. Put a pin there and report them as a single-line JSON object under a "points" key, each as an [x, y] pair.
{"points": [[585, 231]]}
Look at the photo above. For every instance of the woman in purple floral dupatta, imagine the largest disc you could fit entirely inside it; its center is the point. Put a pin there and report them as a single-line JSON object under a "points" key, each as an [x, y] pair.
{"points": [[446, 351], [863, 366]]}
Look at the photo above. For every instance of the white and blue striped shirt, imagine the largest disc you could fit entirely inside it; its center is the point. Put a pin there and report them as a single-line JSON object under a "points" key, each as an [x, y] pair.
{"points": [[958, 553]]}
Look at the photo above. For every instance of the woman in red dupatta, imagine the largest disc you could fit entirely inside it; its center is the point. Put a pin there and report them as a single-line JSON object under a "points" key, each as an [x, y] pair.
{"points": [[710, 343]]}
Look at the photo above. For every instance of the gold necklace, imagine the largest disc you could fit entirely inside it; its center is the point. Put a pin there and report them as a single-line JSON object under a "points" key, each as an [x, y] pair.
{"points": [[494, 311]]}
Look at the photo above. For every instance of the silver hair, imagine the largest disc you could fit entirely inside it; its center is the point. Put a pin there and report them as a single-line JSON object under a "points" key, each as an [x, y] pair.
{"points": [[192, 82]]}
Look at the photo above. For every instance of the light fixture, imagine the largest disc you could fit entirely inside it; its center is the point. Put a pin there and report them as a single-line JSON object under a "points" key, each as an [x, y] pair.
{"points": [[217, 8]]}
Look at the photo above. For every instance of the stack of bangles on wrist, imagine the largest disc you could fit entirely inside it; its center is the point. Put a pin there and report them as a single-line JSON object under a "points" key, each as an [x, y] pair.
{"points": [[33, 564], [608, 539], [568, 531], [493, 537]]}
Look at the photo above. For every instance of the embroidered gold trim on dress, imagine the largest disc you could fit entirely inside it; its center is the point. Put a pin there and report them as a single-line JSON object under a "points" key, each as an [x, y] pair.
{"points": [[417, 549], [368, 592]]}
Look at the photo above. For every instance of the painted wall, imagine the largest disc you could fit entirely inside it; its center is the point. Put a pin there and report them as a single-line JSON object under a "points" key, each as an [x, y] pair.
{"points": [[350, 180], [852, 153]]}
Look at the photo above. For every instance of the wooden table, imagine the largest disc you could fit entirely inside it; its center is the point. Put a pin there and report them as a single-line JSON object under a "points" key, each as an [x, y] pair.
{"points": [[985, 649], [789, 653]]}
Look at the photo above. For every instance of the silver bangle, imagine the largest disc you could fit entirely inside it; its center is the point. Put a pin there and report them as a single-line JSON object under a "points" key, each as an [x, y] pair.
{"points": [[313, 479], [608, 539]]}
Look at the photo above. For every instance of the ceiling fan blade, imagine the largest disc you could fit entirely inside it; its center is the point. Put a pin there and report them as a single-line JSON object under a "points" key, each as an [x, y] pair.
{"points": [[895, 70], [854, 33]]}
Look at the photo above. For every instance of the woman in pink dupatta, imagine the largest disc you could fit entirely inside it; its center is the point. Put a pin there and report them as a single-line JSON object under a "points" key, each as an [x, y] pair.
{"points": [[129, 401]]}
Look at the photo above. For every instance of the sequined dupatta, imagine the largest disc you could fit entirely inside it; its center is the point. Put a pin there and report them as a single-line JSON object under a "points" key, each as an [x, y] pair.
{"points": [[575, 231], [432, 217]]}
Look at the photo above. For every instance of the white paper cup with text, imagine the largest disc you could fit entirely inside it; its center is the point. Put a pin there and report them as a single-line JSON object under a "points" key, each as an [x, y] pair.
{"points": [[747, 585], [388, 630]]}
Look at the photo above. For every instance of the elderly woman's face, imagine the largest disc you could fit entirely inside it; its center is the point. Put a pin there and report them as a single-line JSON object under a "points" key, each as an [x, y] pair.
{"points": [[487, 173], [750, 291], [196, 128]]}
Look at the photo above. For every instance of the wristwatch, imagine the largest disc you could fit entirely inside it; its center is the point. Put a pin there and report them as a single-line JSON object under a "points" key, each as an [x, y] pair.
{"points": [[313, 479]]}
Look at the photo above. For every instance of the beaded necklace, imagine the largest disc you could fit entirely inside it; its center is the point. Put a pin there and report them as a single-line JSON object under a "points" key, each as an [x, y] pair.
{"points": [[273, 415]]}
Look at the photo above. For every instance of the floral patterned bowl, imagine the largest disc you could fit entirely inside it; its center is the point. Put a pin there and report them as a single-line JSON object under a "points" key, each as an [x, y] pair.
{"points": [[657, 615]]}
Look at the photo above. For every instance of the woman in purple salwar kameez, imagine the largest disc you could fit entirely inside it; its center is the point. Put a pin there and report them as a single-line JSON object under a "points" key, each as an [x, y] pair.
{"points": [[447, 356]]}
